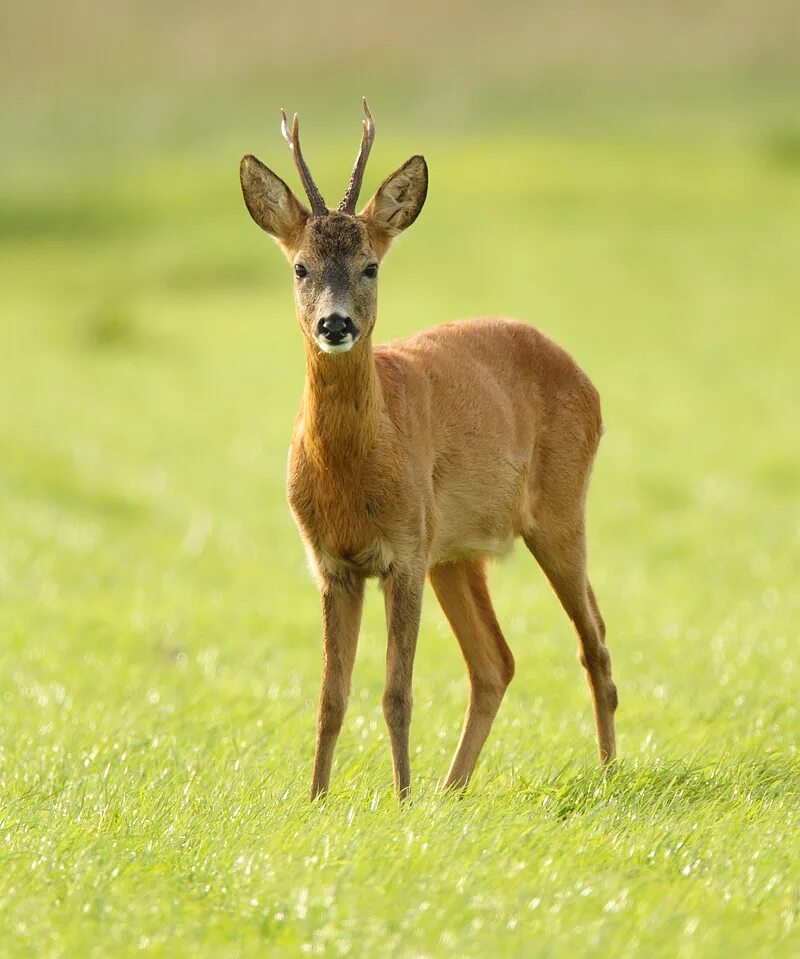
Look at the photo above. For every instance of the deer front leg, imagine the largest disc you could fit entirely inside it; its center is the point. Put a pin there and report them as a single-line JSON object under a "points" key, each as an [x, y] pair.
{"points": [[341, 619], [403, 598]]}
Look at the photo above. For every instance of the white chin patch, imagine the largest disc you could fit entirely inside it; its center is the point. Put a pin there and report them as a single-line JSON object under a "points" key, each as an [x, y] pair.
{"points": [[343, 347]]}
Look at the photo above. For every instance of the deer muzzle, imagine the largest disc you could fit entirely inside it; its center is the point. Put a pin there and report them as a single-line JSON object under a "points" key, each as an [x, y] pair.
{"points": [[336, 333]]}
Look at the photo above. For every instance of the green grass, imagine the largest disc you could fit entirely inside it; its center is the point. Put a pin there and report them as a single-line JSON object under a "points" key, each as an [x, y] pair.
{"points": [[160, 653]]}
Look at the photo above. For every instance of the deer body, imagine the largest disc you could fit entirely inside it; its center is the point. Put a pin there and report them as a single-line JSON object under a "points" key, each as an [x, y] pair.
{"points": [[424, 457], [435, 451]]}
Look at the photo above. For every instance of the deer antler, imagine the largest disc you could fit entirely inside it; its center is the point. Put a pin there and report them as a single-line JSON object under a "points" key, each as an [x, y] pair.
{"points": [[318, 207], [348, 204]]}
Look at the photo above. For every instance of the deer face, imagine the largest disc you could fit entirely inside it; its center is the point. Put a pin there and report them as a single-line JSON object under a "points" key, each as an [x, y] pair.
{"points": [[334, 254], [336, 281]]}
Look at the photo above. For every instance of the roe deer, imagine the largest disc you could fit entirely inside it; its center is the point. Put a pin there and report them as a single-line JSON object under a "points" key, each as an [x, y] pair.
{"points": [[424, 457]]}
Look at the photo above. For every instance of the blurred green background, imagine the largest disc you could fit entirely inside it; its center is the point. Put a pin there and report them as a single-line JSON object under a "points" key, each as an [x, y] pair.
{"points": [[625, 176]]}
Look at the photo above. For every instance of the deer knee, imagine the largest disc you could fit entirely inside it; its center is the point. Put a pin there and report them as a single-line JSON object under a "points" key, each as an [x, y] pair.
{"points": [[501, 661], [595, 658], [488, 690], [486, 697], [397, 709], [332, 708], [508, 667], [601, 626]]}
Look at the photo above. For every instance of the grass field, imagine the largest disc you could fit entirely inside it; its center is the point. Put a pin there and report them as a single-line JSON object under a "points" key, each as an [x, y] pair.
{"points": [[160, 634]]}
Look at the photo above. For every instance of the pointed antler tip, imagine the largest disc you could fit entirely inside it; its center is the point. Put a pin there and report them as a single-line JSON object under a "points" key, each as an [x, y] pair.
{"points": [[285, 127], [348, 204], [369, 123], [293, 142]]}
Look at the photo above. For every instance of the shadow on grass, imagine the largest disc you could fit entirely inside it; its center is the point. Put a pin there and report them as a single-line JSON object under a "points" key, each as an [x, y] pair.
{"points": [[657, 789]]}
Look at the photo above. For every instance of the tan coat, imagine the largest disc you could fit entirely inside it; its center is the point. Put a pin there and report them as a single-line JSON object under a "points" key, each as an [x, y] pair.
{"points": [[424, 457]]}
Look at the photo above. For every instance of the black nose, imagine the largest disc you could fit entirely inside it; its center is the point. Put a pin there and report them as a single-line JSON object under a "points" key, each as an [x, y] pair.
{"points": [[334, 327], [334, 323]]}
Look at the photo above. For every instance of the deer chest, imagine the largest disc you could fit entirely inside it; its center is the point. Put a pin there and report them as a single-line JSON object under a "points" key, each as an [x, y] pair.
{"points": [[339, 518]]}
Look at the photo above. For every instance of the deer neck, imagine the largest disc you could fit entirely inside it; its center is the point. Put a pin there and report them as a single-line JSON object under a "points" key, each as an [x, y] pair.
{"points": [[342, 405]]}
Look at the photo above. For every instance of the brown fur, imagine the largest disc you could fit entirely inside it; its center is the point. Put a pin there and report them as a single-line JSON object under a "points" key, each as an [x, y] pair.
{"points": [[424, 457]]}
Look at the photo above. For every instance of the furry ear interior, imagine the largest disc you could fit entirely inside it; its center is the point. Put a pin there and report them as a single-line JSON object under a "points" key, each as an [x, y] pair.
{"points": [[399, 199], [271, 203]]}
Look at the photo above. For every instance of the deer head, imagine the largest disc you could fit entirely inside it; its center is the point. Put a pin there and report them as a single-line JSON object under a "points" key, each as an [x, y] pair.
{"points": [[335, 254]]}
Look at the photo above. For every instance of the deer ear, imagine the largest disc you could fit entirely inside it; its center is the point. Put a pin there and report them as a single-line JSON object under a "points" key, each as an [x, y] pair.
{"points": [[270, 201], [399, 199]]}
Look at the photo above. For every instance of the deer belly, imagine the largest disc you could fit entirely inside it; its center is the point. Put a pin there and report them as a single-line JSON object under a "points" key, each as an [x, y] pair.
{"points": [[476, 544], [370, 557], [480, 515]]}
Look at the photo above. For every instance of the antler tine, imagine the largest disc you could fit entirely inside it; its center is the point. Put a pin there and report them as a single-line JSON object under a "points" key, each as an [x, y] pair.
{"points": [[348, 204], [287, 136], [318, 207]]}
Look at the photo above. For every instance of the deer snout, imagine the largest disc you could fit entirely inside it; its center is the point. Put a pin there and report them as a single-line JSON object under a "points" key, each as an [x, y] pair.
{"points": [[336, 330]]}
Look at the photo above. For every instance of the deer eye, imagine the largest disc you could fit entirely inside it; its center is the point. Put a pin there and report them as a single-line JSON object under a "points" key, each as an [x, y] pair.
{"points": [[371, 271], [300, 271]]}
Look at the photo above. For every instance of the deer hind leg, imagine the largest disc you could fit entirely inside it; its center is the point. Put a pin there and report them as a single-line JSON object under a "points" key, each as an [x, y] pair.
{"points": [[463, 594], [560, 549]]}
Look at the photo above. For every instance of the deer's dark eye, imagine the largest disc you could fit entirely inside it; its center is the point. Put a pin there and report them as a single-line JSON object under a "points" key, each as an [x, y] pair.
{"points": [[300, 271], [371, 271]]}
